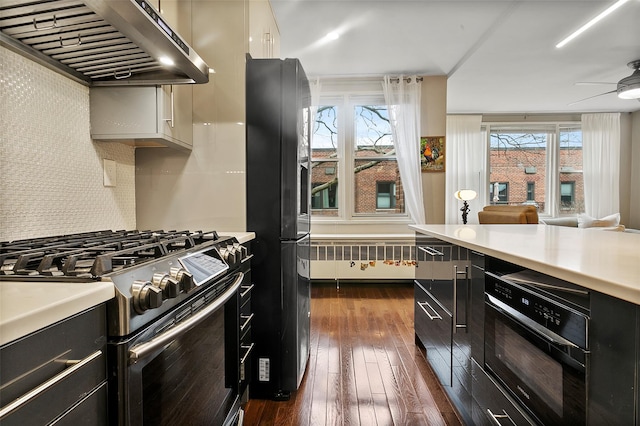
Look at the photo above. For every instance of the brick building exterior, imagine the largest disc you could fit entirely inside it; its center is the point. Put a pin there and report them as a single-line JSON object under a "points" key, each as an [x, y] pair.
{"points": [[524, 172], [369, 173]]}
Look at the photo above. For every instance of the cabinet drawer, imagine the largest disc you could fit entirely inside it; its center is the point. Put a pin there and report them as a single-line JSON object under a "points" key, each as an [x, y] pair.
{"points": [[58, 365], [433, 327], [493, 405]]}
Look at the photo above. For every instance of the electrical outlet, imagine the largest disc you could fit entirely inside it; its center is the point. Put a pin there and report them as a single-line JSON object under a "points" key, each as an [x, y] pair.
{"points": [[110, 172]]}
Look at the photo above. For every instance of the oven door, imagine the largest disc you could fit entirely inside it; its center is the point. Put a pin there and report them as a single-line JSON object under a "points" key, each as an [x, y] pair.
{"points": [[184, 368], [547, 382]]}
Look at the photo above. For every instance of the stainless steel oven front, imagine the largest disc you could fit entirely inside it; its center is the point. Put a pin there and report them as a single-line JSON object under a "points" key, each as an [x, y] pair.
{"points": [[536, 347], [182, 368]]}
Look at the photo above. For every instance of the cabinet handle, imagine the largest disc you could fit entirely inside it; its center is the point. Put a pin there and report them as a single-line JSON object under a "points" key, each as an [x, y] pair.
{"points": [[247, 320], [435, 313], [248, 350], [246, 289], [495, 418], [431, 251], [456, 326], [75, 365], [170, 120]]}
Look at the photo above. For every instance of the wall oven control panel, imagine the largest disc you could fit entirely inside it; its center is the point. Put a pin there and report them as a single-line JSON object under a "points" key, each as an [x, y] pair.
{"points": [[551, 314]]}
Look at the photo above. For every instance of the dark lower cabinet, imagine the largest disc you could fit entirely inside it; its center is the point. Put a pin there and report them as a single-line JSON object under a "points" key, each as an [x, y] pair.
{"points": [[491, 405], [449, 315], [442, 315], [57, 375]]}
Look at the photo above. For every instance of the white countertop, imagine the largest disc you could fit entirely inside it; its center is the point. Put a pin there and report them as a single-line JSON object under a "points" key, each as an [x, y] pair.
{"points": [[605, 261], [27, 306]]}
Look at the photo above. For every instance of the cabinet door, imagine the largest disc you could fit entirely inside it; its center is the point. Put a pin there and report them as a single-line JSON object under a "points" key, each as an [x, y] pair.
{"points": [[476, 322], [433, 329], [174, 112]]}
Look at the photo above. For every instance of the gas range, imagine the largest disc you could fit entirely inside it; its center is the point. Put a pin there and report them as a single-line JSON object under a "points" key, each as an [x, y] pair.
{"points": [[152, 271]]}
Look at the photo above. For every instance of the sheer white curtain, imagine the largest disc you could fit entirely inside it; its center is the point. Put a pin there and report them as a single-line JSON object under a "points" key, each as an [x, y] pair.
{"points": [[466, 163], [402, 96], [601, 163]]}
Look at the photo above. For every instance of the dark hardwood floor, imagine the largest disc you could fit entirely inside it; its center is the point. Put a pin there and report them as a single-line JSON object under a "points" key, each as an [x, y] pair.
{"points": [[364, 368]]}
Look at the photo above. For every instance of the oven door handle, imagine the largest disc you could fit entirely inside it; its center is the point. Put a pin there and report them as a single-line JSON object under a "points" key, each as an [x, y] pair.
{"points": [[529, 323], [142, 350]]}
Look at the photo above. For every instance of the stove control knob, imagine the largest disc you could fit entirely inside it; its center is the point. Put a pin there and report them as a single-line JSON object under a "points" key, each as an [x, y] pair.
{"points": [[227, 255], [146, 296], [233, 256], [183, 277], [170, 287], [240, 249]]}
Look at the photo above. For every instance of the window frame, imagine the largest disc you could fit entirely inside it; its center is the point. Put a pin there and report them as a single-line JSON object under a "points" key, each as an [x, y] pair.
{"points": [[552, 201], [346, 100]]}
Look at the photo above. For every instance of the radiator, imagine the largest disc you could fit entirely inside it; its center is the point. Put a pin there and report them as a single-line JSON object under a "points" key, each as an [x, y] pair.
{"points": [[362, 260]]}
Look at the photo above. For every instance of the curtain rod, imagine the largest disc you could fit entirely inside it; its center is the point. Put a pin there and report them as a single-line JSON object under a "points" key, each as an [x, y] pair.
{"points": [[407, 79]]}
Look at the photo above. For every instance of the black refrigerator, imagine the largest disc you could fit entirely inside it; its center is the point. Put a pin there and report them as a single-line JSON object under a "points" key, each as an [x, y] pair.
{"points": [[278, 208]]}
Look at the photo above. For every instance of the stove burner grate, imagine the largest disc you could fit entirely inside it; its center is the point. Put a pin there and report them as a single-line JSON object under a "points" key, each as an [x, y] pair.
{"points": [[93, 254]]}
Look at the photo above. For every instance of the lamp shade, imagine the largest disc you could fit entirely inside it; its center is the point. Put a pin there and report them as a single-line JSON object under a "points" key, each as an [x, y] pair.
{"points": [[466, 194]]}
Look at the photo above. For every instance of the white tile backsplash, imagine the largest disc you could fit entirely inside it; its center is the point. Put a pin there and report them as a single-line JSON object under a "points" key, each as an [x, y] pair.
{"points": [[51, 172]]}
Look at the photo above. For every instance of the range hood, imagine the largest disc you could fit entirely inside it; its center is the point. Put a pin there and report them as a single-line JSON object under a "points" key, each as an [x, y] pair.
{"points": [[100, 42]]}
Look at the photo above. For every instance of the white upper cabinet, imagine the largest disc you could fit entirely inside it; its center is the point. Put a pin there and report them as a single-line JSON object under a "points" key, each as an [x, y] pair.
{"points": [[264, 35], [140, 116], [148, 116]]}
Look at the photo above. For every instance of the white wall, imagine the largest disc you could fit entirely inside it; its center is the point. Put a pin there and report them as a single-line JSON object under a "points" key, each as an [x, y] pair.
{"points": [[51, 175], [204, 189], [634, 187]]}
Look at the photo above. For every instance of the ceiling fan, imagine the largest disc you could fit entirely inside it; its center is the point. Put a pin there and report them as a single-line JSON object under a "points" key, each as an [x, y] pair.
{"points": [[627, 88]]}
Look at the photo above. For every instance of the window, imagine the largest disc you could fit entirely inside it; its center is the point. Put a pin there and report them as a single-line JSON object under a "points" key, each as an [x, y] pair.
{"points": [[499, 192], [531, 191], [324, 196], [386, 195], [567, 195], [352, 145], [531, 163]]}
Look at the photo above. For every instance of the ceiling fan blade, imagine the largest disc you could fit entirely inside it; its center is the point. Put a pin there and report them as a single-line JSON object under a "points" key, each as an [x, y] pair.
{"points": [[592, 83], [591, 97]]}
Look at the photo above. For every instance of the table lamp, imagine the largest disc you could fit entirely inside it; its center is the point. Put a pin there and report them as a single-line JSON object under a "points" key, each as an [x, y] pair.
{"points": [[465, 195]]}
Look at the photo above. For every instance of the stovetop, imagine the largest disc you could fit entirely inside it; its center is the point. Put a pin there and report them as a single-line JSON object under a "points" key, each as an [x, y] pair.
{"points": [[152, 272], [91, 255]]}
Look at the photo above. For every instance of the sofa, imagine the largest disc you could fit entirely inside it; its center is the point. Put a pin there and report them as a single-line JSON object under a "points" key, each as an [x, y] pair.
{"points": [[495, 214]]}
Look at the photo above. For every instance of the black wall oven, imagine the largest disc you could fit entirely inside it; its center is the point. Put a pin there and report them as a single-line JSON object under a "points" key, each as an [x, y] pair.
{"points": [[536, 347]]}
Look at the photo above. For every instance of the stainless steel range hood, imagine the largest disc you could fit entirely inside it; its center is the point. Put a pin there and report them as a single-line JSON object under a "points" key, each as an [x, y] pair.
{"points": [[100, 42]]}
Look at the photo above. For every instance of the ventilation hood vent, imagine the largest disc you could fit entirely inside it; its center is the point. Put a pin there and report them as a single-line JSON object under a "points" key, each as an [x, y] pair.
{"points": [[100, 42]]}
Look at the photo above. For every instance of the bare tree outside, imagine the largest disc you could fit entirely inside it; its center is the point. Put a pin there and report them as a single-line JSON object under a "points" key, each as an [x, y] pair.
{"points": [[377, 186]]}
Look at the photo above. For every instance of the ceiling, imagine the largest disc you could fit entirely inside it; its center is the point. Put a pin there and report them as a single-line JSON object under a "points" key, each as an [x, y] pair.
{"points": [[499, 56]]}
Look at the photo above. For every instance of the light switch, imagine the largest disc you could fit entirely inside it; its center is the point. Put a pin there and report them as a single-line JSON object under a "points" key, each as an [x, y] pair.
{"points": [[110, 172]]}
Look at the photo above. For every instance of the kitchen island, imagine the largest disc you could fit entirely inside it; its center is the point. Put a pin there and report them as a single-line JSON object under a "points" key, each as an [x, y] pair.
{"points": [[605, 261], [531, 324]]}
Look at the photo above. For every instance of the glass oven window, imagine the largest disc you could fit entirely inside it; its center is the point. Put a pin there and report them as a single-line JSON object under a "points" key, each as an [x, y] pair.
{"points": [[185, 383], [537, 370]]}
